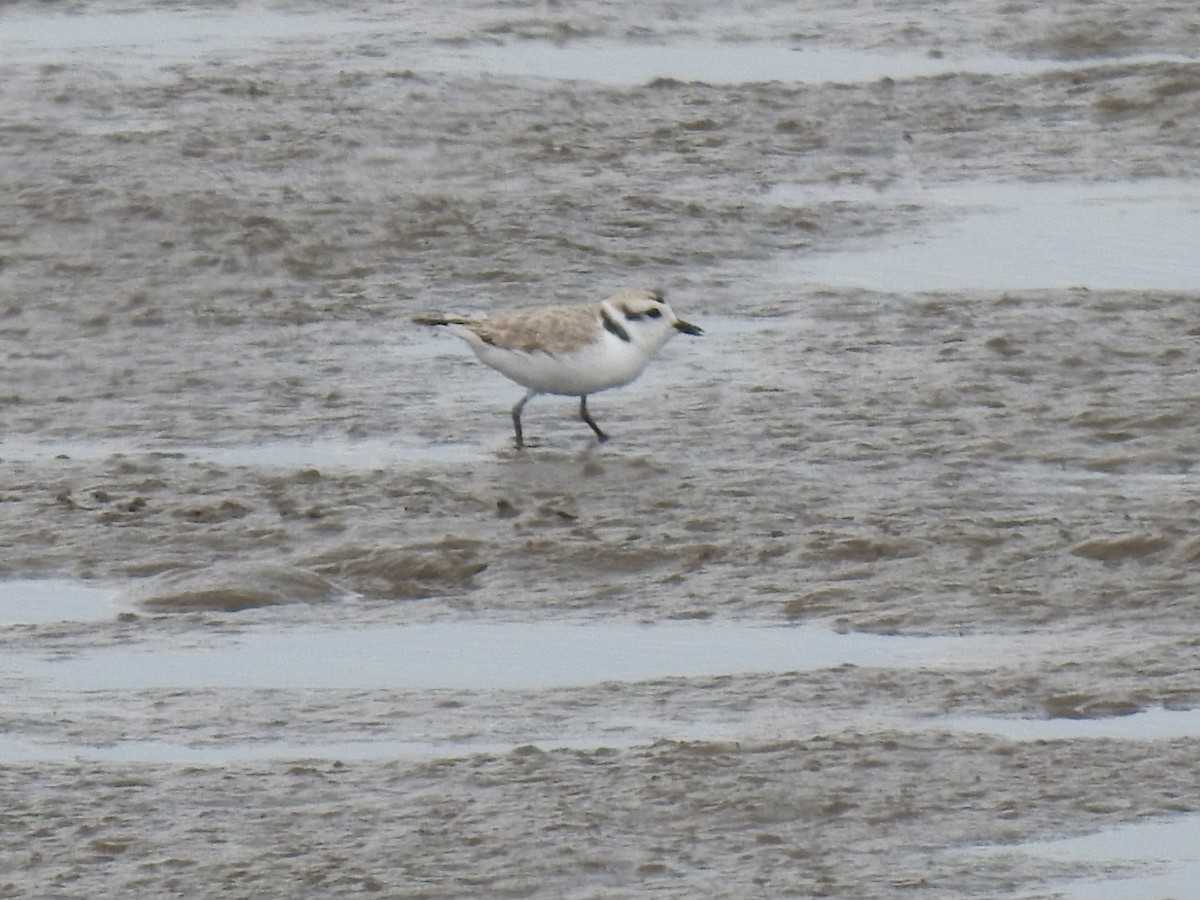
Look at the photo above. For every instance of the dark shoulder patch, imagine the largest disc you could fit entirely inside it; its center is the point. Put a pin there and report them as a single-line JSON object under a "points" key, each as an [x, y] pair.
{"points": [[612, 326]]}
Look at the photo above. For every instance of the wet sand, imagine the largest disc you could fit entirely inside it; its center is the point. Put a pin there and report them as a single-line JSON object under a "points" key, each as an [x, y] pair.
{"points": [[217, 425]]}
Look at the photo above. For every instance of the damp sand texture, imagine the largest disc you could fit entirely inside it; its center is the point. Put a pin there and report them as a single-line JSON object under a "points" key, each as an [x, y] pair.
{"points": [[884, 589]]}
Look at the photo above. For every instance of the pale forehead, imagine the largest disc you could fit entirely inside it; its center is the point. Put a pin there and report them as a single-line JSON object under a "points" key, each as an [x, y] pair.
{"points": [[641, 296], [637, 301]]}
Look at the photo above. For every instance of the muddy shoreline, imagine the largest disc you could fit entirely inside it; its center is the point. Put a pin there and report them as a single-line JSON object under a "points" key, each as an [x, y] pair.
{"points": [[212, 407]]}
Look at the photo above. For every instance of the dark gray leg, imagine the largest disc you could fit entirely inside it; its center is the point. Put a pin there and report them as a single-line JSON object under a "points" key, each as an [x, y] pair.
{"points": [[516, 414], [583, 414]]}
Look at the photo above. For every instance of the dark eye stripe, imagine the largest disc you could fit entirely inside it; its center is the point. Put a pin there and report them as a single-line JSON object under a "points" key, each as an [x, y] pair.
{"points": [[654, 313], [632, 316]]}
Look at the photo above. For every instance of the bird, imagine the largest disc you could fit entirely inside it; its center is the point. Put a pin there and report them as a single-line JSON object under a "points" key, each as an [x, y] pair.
{"points": [[571, 350]]}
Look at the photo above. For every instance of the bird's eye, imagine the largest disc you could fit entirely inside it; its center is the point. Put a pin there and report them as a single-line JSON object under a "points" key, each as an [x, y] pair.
{"points": [[654, 313], [632, 316]]}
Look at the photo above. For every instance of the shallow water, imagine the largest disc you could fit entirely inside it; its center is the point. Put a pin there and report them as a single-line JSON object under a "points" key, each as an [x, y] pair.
{"points": [[48, 600], [164, 36], [627, 64], [503, 656], [337, 454], [1167, 852], [169, 37], [1145, 725], [1028, 236], [896, 562]]}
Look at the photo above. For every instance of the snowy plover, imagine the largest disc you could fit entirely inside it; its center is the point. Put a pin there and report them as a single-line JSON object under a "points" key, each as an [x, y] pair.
{"points": [[571, 350]]}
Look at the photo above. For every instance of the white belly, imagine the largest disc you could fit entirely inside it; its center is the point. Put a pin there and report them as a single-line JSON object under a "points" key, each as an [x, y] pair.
{"points": [[596, 367]]}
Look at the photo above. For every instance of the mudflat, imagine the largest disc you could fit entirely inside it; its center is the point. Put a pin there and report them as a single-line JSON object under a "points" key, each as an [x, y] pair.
{"points": [[337, 636]]}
